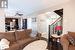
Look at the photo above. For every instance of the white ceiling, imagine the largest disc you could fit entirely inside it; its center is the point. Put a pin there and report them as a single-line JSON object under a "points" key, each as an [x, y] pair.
{"points": [[30, 6]]}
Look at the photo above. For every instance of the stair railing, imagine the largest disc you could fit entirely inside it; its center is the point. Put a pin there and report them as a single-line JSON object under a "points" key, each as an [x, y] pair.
{"points": [[49, 35]]}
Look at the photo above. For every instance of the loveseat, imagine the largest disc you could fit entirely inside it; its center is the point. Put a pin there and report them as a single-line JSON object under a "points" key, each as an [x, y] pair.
{"points": [[67, 41], [18, 39]]}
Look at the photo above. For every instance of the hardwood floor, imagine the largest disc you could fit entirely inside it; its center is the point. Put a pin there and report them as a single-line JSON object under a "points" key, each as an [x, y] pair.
{"points": [[55, 46]]}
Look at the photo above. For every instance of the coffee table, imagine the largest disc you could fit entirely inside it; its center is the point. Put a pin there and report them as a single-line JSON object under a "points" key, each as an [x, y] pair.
{"points": [[37, 45]]}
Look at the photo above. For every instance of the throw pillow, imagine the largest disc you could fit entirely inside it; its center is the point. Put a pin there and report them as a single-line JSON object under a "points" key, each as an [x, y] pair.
{"points": [[4, 43], [71, 40]]}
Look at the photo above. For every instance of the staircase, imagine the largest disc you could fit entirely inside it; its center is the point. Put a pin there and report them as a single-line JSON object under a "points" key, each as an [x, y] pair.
{"points": [[54, 19]]}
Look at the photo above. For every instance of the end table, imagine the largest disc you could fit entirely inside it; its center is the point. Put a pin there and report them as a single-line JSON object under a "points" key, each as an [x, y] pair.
{"points": [[56, 45]]}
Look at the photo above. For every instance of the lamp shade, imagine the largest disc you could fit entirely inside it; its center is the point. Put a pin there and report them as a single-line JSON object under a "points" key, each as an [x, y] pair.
{"points": [[58, 28]]}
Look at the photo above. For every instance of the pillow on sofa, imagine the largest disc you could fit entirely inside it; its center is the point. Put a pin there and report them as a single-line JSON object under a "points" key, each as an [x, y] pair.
{"points": [[4, 43], [71, 40]]}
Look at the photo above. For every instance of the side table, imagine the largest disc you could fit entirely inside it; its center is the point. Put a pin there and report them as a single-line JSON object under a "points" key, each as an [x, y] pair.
{"points": [[56, 45]]}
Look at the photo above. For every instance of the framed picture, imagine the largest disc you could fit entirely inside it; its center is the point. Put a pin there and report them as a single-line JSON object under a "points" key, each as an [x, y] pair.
{"points": [[3, 3], [33, 19]]}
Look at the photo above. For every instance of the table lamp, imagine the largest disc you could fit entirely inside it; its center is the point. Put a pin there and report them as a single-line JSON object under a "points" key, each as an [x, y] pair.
{"points": [[58, 29]]}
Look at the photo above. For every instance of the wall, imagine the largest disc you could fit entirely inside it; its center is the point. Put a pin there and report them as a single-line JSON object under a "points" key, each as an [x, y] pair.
{"points": [[29, 24], [42, 23], [2, 21], [20, 23], [69, 17]]}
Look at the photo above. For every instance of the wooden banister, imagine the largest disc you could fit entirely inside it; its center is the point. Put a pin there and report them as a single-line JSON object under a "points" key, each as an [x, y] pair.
{"points": [[56, 20]]}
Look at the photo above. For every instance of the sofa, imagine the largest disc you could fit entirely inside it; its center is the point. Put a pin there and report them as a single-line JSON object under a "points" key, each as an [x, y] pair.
{"points": [[67, 40], [18, 38]]}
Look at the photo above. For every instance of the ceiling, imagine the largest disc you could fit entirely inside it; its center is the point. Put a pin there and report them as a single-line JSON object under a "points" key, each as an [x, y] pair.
{"points": [[30, 6]]}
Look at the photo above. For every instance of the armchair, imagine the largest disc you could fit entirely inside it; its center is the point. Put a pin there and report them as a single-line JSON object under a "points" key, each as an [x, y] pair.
{"points": [[65, 42]]}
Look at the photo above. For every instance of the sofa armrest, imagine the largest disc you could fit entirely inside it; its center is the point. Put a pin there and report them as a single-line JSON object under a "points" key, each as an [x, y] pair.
{"points": [[64, 42], [14, 47]]}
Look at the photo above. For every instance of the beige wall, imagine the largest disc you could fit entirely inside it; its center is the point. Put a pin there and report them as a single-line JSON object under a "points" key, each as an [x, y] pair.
{"points": [[69, 17], [2, 21], [42, 23]]}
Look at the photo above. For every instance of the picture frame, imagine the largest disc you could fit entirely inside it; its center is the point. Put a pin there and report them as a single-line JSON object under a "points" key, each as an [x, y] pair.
{"points": [[33, 19], [3, 3]]}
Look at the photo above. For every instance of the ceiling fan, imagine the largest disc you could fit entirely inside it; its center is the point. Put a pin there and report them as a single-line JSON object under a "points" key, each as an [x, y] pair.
{"points": [[19, 14]]}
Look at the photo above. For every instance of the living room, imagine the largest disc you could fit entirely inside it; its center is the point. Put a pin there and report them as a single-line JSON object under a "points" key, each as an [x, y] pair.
{"points": [[35, 17]]}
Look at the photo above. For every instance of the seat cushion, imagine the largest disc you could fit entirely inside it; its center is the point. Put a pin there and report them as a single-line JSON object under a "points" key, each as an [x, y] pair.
{"points": [[21, 42], [25, 42], [14, 46]]}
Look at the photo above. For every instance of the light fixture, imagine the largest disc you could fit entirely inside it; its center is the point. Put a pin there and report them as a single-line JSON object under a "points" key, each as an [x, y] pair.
{"points": [[13, 20]]}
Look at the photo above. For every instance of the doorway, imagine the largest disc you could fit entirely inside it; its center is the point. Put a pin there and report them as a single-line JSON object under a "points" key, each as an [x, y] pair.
{"points": [[11, 23], [24, 24]]}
